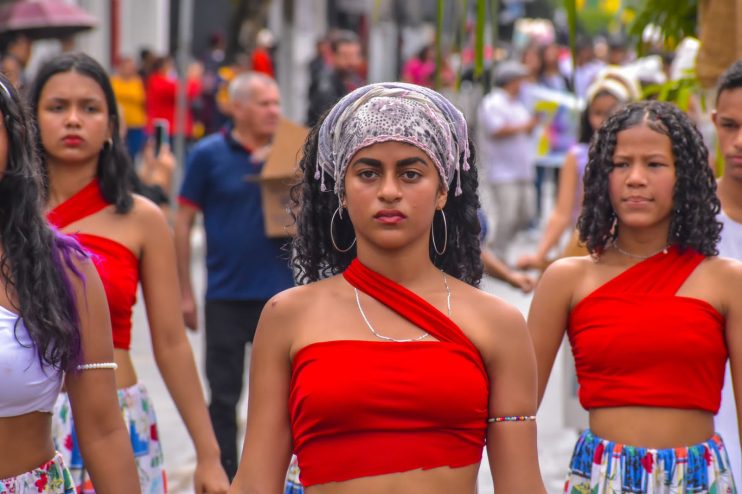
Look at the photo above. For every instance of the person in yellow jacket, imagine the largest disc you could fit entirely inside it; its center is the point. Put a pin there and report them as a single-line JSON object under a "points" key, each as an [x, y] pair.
{"points": [[130, 95]]}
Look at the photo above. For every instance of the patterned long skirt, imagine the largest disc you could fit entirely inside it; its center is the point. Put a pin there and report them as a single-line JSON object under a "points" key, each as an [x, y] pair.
{"points": [[50, 478], [605, 467], [139, 417]]}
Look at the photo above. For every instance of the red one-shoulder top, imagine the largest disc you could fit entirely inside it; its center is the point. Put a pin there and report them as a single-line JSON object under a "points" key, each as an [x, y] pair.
{"points": [[636, 343], [117, 266], [364, 408]]}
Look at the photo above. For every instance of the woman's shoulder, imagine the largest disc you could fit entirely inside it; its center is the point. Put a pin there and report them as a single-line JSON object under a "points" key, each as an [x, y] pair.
{"points": [[725, 270], [567, 269], [486, 314], [146, 213], [303, 300]]}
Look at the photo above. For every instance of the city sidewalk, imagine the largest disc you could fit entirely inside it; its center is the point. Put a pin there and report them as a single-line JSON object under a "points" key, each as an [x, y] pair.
{"points": [[555, 442]]}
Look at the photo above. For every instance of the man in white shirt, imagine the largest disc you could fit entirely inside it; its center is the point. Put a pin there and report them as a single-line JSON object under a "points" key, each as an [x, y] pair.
{"points": [[728, 121], [507, 154]]}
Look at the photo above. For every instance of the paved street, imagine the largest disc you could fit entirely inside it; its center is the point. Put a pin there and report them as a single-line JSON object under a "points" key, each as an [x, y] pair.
{"points": [[555, 441]]}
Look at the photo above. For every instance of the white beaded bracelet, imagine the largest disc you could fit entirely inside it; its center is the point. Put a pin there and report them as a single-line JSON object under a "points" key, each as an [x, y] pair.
{"points": [[101, 365]]}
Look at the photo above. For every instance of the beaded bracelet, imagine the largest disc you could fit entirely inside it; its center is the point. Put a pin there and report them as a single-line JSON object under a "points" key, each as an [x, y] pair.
{"points": [[100, 365], [512, 418]]}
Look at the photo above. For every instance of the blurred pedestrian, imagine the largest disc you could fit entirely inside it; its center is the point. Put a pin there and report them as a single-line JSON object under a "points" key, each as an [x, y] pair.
{"points": [[337, 80], [162, 96], [129, 90], [12, 69], [507, 154], [19, 46], [244, 267], [261, 58]]}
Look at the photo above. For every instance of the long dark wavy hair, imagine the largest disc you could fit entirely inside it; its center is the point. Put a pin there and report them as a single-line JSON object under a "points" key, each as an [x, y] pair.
{"points": [[315, 258], [695, 204], [36, 262], [114, 166]]}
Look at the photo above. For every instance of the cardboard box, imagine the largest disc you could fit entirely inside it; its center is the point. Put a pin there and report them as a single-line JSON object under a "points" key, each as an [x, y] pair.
{"points": [[280, 172]]}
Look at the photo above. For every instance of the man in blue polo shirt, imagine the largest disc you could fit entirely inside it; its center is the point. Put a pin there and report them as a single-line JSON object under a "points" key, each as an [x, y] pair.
{"points": [[244, 267]]}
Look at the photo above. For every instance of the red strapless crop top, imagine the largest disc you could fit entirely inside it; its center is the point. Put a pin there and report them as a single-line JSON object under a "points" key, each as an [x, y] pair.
{"points": [[117, 266], [363, 408], [636, 343]]}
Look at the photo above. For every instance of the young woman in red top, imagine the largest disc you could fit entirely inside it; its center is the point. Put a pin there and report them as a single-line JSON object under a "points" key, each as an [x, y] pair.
{"points": [[651, 314], [391, 376], [89, 196]]}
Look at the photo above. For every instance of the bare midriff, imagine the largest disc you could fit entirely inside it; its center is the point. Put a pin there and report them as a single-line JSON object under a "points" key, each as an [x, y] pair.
{"points": [[649, 427], [125, 374], [443, 480], [26, 441]]}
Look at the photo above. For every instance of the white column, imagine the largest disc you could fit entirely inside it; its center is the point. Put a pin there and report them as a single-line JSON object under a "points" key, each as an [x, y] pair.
{"points": [[96, 42], [144, 24], [310, 23]]}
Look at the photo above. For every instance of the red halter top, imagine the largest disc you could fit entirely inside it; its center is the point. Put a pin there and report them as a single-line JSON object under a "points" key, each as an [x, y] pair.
{"points": [[117, 266], [361, 408], [636, 343]]}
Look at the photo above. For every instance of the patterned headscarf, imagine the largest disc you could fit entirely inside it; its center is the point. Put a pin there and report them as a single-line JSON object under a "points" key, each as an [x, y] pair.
{"points": [[393, 111]]}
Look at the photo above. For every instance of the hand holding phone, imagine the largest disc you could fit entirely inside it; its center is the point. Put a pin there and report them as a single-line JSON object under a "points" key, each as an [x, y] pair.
{"points": [[162, 133]]}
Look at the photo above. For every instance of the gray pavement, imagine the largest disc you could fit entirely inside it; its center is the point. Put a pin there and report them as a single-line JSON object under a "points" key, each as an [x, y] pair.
{"points": [[555, 441]]}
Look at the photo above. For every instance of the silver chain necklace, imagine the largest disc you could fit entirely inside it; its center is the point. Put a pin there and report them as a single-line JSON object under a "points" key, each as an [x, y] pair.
{"points": [[636, 256], [406, 340]]}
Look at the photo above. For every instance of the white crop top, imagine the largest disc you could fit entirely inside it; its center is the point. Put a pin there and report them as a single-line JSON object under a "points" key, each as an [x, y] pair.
{"points": [[25, 385]]}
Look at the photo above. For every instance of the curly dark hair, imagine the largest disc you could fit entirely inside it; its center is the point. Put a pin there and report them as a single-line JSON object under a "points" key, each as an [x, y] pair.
{"points": [[114, 166], [693, 224], [36, 262], [315, 258]]}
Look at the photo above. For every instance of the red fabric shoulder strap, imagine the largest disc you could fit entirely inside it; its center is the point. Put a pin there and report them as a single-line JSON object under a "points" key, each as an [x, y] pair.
{"points": [[661, 274], [408, 305], [87, 201]]}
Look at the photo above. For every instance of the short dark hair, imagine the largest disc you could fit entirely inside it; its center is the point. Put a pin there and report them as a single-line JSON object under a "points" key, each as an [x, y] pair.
{"points": [[730, 79], [343, 37]]}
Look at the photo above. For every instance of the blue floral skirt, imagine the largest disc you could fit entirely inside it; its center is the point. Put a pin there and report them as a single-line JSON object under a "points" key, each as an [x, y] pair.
{"points": [[605, 467]]}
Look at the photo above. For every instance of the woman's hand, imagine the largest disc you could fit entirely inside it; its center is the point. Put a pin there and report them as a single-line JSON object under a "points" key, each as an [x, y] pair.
{"points": [[210, 477]]}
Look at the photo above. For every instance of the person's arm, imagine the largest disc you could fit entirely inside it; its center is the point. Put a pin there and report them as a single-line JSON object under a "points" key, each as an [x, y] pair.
{"points": [[511, 446], [172, 350], [102, 435], [560, 218], [498, 269], [267, 446], [547, 318], [515, 129], [193, 193], [184, 220]]}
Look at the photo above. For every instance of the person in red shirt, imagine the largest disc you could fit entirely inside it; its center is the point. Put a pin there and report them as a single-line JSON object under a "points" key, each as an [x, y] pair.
{"points": [[261, 58], [162, 96], [652, 314]]}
